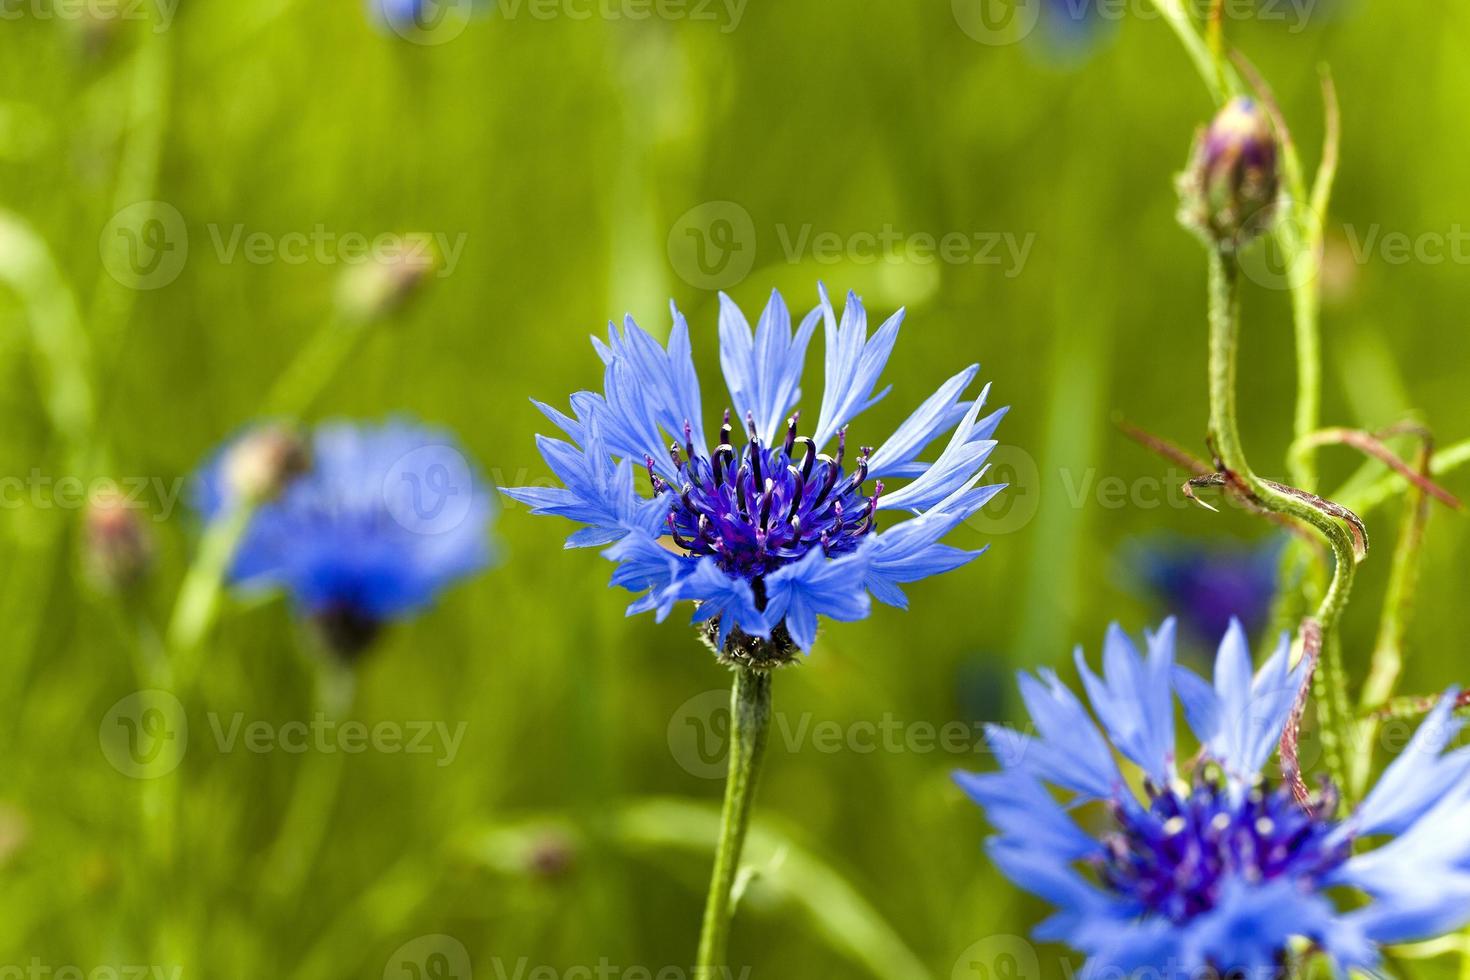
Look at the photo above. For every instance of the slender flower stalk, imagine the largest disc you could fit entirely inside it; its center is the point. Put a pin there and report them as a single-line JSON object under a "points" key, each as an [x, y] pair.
{"points": [[1224, 316], [308, 814], [750, 723]]}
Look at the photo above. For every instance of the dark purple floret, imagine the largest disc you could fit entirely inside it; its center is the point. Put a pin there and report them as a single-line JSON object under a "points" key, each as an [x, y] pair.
{"points": [[1175, 856], [756, 508]]}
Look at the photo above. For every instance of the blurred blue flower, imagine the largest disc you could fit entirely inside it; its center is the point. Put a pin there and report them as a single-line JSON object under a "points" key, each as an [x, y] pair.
{"points": [[1215, 872], [418, 19], [1208, 582], [399, 13], [1073, 25], [382, 521], [765, 532]]}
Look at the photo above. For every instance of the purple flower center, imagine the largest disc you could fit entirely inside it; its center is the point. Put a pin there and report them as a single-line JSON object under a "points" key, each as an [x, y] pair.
{"points": [[758, 507], [1175, 856]]}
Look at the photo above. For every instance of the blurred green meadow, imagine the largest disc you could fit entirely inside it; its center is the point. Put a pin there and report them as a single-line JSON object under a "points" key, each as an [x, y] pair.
{"points": [[574, 163]]}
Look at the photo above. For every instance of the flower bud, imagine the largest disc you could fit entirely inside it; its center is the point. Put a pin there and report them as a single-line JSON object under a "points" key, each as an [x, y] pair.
{"points": [[383, 284], [260, 465], [1228, 194], [117, 547]]}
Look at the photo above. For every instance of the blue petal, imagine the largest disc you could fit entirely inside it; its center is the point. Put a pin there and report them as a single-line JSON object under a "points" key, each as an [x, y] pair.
{"points": [[958, 466], [1048, 876], [721, 595], [1201, 705], [1135, 704], [1070, 752], [598, 492], [646, 566], [1023, 810], [818, 586], [1418, 777], [940, 412], [910, 551], [853, 363]]}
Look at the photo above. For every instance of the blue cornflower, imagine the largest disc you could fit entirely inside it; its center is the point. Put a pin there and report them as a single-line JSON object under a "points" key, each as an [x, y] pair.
{"points": [[380, 522], [1209, 583], [1214, 871], [768, 530]]}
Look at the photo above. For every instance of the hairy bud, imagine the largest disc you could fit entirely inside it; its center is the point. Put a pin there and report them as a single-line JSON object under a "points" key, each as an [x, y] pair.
{"points": [[1228, 194], [117, 547], [263, 462]]}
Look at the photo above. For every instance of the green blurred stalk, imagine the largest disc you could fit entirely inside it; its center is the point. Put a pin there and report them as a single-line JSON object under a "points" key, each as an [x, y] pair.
{"points": [[56, 335], [302, 383], [198, 601], [1441, 463], [1217, 76], [314, 796], [1398, 605], [750, 723]]}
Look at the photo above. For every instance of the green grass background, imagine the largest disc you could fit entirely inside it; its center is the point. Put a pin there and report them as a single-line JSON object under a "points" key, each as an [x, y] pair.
{"points": [[565, 150]]}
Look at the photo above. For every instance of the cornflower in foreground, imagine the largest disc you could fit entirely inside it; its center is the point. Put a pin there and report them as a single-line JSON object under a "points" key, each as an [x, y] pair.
{"points": [[768, 524], [1215, 870]]}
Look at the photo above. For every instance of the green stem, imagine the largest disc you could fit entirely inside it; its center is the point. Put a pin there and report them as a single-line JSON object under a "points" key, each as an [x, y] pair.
{"points": [[1398, 605], [198, 601], [1306, 307], [303, 381], [314, 796], [1331, 685], [750, 722], [1218, 78]]}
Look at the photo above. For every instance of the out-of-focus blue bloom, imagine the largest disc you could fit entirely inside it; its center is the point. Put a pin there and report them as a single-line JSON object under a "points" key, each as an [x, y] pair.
{"points": [[398, 11], [383, 520], [1072, 26], [415, 19], [1214, 872], [765, 528], [1207, 583]]}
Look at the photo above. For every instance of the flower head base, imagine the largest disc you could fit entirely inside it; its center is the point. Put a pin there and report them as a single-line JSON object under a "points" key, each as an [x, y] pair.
{"points": [[387, 517], [1228, 195], [769, 529], [1218, 873]]}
